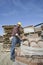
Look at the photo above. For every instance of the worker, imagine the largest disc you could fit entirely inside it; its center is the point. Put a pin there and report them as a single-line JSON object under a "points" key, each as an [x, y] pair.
{"points": [[15, 39]]}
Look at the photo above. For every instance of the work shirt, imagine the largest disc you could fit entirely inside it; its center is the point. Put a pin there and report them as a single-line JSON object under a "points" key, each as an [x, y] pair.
{"points": [[17, 30]]}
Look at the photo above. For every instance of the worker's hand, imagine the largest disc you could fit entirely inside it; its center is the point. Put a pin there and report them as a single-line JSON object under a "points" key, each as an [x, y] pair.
{"points": [[16, 34], [11, 38]]}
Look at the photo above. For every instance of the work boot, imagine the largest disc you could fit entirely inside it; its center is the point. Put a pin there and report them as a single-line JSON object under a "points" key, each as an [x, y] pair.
{"points": [[13, 59]]}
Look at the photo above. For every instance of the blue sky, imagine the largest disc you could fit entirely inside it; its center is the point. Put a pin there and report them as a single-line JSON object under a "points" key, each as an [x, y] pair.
{"points": [[29, 12]]}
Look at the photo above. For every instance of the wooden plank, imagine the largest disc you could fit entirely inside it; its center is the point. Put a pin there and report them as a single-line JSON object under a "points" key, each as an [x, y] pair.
{"points": [[23, 60], [29, 61]]}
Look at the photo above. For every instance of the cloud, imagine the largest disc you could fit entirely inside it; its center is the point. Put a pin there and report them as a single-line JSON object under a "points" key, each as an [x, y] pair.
{"points": [[8, 14], [21, 7], [9, 7]]}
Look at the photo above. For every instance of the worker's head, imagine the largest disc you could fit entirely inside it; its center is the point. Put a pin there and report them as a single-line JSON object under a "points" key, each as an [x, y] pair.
{"points": [[19, 23]]}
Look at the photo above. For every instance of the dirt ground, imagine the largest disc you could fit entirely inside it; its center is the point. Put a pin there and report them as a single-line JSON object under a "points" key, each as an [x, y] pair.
{"points": [[5, 58]]}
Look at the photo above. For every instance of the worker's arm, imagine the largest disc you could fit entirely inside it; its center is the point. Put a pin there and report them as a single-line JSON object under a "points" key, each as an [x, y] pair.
{"points": [[18, 36]]}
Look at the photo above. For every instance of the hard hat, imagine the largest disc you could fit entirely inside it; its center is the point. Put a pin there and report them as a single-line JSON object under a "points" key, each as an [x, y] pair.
{"points": [[19, 23]]}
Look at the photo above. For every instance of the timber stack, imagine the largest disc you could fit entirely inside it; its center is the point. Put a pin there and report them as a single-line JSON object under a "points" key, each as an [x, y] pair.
{"points": [[33, 33], [7, 35]]}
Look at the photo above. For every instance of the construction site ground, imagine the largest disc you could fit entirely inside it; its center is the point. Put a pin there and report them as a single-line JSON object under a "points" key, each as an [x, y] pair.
{"points": [[5, 59]]}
